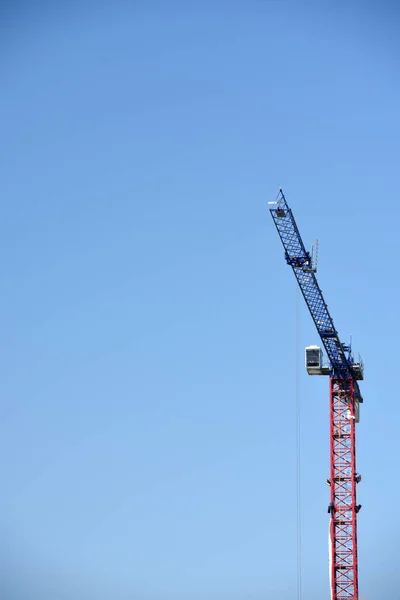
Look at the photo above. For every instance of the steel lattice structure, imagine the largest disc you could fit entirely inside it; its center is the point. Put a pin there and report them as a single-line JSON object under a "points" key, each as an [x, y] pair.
{"points": [[343, 506], [345, 398]]}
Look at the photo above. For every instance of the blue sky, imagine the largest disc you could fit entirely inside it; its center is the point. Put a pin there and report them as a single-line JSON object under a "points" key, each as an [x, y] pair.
{"points": [[149, 344]]}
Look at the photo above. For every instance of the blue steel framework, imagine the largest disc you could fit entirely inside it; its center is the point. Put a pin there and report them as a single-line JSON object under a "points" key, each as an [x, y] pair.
{"points": [[300, 260], [344, 398]]}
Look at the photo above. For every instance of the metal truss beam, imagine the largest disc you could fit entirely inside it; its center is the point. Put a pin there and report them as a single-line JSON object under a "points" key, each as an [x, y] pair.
{"points": [[343, 482]]}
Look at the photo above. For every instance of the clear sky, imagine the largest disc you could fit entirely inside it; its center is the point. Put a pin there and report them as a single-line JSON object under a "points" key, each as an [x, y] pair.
{"points": [[148, 318]]}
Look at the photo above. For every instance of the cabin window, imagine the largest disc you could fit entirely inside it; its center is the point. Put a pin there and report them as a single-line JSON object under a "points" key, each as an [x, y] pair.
{"points": [[313, 358]]}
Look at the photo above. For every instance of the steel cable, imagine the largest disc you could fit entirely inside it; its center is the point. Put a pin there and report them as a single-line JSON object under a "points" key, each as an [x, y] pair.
{"points": [[298, 450]]}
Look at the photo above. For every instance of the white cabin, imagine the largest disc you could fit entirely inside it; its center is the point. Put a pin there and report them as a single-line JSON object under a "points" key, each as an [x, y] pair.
{"points": [[314, 361]]}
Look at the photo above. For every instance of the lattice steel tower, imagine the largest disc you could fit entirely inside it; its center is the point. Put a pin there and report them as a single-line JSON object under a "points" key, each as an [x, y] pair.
{"points": [[345, 398]]}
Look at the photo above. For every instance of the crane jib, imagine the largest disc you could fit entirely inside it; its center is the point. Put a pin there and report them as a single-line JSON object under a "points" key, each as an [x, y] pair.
{"points": [[300, 260]]}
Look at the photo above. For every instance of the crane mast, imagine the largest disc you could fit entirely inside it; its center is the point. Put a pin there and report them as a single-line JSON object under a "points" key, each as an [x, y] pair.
{"points": [[345, 398]]}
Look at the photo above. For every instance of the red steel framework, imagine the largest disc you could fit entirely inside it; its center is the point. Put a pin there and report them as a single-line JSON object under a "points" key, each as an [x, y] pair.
{"points": [[343, 482]]}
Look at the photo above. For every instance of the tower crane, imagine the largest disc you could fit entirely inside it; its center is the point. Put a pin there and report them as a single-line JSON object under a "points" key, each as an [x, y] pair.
{"points": [[345, 398]]}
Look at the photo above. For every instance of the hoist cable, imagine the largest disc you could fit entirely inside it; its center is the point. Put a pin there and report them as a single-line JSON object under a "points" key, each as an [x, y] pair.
{"points": [[298, 449]]}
